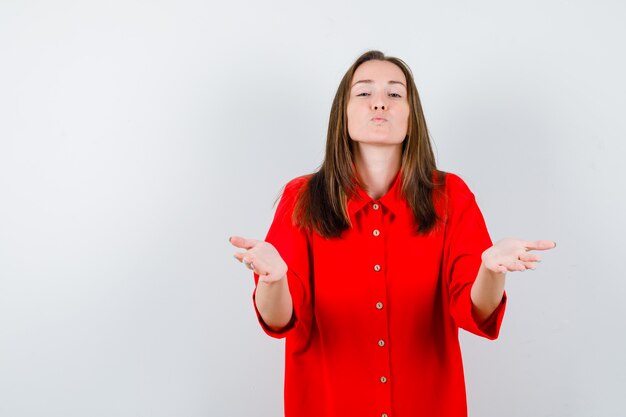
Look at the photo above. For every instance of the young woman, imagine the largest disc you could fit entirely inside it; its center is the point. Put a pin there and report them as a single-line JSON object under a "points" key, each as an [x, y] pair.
{"points": [[373, 263]]}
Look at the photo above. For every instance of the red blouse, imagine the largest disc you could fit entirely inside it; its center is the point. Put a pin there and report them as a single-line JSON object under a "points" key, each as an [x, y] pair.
{"points": [[377, 311]]}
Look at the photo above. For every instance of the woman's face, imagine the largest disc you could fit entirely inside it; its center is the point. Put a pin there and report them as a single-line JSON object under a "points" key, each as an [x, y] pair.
{"points": [[378, 107]]}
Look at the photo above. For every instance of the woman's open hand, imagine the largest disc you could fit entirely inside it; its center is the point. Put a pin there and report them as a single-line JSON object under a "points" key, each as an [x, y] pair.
{"points": [[261, 257], [512, 254]]}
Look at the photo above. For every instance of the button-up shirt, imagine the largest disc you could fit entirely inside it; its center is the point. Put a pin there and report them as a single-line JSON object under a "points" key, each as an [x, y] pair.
{"points": [[376, 311]]}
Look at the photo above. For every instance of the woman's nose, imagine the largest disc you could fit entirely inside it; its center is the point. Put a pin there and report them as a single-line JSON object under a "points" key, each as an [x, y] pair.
{"points": [[378, 102]]}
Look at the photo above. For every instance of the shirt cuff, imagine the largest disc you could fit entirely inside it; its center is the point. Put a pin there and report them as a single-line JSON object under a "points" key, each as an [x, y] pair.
{"points": [[278, 334], [490, 327]]}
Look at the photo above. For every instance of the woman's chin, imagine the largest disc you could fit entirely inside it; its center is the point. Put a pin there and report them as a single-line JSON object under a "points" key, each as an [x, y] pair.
{"points": [[380, 141]]}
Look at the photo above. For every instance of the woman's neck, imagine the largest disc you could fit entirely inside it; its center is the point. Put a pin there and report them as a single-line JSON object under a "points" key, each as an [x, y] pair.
{"points": [[377, 167]]}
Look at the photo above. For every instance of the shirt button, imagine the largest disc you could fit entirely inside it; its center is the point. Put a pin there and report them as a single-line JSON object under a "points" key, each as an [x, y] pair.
{"points": [[376, 268], [375, 206], [379, 305], [381, 343], [376, 232], [383, 379]]}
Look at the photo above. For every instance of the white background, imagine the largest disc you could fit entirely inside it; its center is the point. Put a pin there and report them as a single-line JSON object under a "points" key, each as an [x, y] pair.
{"points": [[135, 137]]}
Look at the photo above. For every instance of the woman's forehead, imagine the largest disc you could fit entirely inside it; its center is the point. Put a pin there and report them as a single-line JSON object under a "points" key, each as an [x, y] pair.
{"points": [[378, 71]]}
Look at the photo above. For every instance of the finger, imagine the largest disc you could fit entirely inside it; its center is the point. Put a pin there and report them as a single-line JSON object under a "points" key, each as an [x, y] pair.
{"points": [[496, 267], [529, 257], [248, 262], [260, 267], [540, 245], [242, 242], [530, 265], [249, 265], [515, 265], [239, 256]]}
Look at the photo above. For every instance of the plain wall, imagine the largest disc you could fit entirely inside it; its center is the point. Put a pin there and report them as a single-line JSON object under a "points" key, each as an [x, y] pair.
{"points": [[136, 137]]}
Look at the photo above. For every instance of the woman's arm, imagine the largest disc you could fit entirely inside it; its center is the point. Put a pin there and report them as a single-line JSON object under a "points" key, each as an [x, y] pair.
{"points": [[506, 255], [487, 292], [274, 303], [272, 296]]}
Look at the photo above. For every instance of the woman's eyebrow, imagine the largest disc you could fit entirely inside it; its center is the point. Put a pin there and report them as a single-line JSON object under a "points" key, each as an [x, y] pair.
{"points": [[371, 81]]}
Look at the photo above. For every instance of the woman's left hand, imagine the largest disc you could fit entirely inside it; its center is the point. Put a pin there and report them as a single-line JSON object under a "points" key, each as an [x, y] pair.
{"points": [[512, 254]]}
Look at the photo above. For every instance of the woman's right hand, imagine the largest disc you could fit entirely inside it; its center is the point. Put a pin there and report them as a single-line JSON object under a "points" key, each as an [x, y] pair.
{"points": [[261, 257]]}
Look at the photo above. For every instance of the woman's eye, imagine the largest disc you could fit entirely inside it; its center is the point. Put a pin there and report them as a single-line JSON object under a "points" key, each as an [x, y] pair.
{"points": [[394, 95]]}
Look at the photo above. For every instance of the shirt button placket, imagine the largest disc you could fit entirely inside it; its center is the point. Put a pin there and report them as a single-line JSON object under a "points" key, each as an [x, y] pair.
{"points": [[377, 227]]}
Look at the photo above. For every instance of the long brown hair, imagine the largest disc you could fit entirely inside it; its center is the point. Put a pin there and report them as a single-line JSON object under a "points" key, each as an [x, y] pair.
{"points": [[322, 203]]}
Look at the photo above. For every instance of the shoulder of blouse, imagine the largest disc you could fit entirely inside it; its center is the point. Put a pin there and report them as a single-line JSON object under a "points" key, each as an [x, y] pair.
{"points": [[458, 196], [289, 192], [294, 186], [456, 187], [296, 183]]}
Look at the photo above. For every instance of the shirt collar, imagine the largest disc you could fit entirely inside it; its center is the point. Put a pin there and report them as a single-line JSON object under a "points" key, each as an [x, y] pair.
{"points": [[392, 200]]}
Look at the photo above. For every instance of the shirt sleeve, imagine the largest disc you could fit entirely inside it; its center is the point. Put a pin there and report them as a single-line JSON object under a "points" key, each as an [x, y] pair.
{"points": [[467, 238], [292, 243]]}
